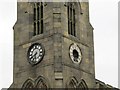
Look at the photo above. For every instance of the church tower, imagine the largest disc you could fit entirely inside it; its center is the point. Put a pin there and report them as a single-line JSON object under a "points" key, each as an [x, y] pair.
{"points": [[53, 46]]}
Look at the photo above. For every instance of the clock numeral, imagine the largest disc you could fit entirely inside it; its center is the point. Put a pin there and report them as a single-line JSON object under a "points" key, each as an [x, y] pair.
{"points": [[30, 53], [39, 57], [29, 57], [37, 60], [40, 50], [71, 54], [71, 50], [37, 47], [73, 47], [40, 54], [31, 49]]}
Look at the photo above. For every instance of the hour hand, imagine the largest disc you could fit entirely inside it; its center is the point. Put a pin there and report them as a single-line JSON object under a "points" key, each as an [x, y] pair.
{"points": [[33, 56]]}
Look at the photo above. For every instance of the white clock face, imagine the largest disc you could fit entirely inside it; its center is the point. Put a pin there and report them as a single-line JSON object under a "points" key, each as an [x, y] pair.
{"points": [[35, 53], [75, 54]]}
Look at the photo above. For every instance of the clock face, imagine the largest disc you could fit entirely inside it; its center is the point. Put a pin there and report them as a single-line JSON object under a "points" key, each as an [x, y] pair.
{"points": [[75, 54], [35, 53]]}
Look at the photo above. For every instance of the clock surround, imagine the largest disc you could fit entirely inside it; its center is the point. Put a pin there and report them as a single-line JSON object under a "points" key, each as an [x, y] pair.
{"points": [[75, 53], [35, 53]]}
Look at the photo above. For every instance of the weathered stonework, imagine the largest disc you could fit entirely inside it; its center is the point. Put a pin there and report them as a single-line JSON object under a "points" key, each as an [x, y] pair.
{"points": [[56, 66]]}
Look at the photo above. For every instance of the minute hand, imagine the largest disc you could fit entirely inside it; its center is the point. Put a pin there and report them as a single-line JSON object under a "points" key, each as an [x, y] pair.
{"points": [[34, 56]]}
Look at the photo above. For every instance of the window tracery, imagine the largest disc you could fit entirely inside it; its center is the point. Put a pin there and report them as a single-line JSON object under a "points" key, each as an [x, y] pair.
{"points": [[71, 19], [40, 82], [38, 18]]}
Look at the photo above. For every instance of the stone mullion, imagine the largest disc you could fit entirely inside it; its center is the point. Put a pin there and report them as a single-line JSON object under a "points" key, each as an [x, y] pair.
{"points": [[71, 18], [41, 17], [35, 19], [38, 18], [69, 29], [73, 22]]}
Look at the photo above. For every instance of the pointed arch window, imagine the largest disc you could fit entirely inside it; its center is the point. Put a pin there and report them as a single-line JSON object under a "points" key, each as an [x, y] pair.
{"points": [[83, 85], [38, 18], [41, 83], [28, 84], [71, 19], [72, 83], [75, 85]]}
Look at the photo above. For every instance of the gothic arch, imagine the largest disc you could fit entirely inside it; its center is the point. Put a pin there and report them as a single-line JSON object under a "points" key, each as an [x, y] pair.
{"points": [[82, 85], [73, 16], [77, 4], [41, 82], [28, 84], [72, 83]]}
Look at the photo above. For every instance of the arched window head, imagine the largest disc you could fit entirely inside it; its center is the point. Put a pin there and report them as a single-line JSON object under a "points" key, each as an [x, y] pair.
{"points": [[28, 84], [82, 85], [41, 82], [72, 83], [71, 18]]}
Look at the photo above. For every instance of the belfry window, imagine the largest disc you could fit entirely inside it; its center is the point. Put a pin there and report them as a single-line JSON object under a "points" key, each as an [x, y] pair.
{"points": [[71, 19], [38, 18]]}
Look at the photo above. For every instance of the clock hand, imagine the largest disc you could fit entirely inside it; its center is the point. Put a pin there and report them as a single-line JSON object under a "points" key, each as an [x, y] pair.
{"points": [[34, 56]]}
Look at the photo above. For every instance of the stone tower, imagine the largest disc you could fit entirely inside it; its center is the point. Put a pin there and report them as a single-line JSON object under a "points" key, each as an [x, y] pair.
{"points": [[53, 46]]}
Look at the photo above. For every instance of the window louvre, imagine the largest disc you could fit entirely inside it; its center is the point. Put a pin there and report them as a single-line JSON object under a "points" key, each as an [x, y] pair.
{"points": [[38, 18], [71, 19]]}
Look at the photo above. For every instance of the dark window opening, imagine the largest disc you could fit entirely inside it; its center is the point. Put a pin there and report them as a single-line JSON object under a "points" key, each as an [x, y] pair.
{"points": [[38, 18], [34, 28], [71, 19]]}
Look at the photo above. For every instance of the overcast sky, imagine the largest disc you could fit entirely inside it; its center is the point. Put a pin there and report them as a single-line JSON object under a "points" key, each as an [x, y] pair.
{"points": [[103, 17]]}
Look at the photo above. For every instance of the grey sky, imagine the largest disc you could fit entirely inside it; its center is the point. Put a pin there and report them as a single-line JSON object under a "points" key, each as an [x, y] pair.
{"points": [[103, 17]]}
